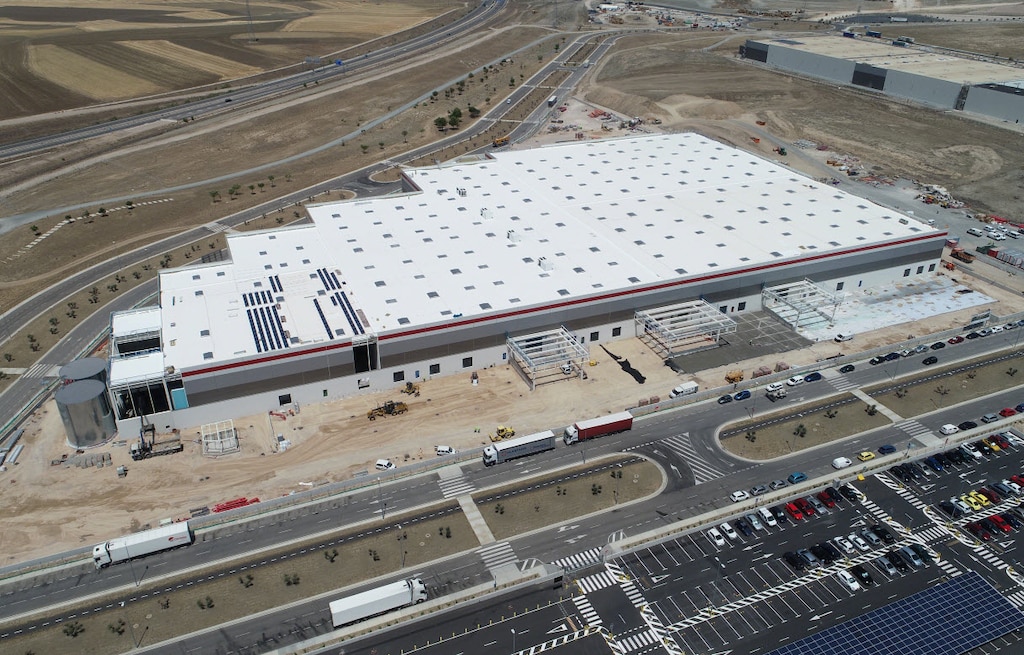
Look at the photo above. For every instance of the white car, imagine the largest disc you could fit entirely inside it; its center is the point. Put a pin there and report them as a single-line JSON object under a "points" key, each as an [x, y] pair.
{"points": [[858, 541], [739, 496], [795, 380], [728, 531], [774, 386], [443, 450], [716, 537], [1014, 487], [961, 505], [384, 465], [848, 580], [841, 462], [949, 428], [844, 545]]}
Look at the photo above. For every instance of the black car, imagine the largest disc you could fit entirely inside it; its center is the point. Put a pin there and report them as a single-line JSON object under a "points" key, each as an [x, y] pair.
{"points": [[744, 527], [883, 533], [849, 493], [862, 575], [915, 470], [874, 361], [922, 552], [849, 368], [982, 447], [950, 509], [928, 361], [956, 456], [794, 560], [886, 449], [831, 551], [938, 345], [724, 399], [973, 335], [834, 494], [900, 473], [988, 525], [1013, 520], [822, 554], [942, 460], [897, 560], [812, 377], [780, 514], [892, 357]]}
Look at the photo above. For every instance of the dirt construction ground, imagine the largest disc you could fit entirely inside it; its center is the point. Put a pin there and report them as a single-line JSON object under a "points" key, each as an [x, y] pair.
{"points": [[687, 81]]}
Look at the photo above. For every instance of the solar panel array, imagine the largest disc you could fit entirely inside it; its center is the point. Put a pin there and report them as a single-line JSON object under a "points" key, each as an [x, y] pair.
{"points": [[264, 320], [947, 619]]}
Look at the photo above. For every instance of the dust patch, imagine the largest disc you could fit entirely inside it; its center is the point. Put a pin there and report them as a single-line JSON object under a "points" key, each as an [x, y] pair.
{"points": [[187, 57], [969, 162], [686, 107], [84, 76], [361, 18]]}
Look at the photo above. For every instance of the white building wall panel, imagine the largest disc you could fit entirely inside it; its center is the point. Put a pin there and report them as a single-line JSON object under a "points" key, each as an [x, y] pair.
{"points": [[819, 66], [925, 90], [997, 104]]}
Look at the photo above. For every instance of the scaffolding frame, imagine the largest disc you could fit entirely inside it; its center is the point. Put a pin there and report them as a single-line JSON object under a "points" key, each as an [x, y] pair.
{"points": [[219, 438], [686, 326], [543, 357], [801, 304]]}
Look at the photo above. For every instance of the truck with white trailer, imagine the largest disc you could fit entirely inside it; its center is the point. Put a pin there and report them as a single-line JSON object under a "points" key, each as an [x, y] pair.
{"points": [[531, 444], [598, 427], [142, 543], [377, 601]]}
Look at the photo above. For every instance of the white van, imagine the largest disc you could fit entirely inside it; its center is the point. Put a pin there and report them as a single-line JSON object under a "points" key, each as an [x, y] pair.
{"points": [[844, 336], [684, 389], [767, 517], [975, 232], [384, 465], [443, 450], [949, 428]]}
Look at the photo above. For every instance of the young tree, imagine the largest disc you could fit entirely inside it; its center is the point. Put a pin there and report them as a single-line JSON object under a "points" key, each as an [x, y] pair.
{"points": [[441, 122]]}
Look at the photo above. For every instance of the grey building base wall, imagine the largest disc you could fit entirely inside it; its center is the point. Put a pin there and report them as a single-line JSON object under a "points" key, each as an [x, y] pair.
{"points": [[827, 68], [999, 104], [925, 90]]}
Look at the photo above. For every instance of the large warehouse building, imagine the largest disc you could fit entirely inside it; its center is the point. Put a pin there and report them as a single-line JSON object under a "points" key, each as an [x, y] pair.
{"points": [[523, 258], [901, 70]]}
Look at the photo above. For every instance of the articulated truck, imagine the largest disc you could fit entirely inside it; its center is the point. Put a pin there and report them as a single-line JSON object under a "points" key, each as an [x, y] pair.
{"points": [[531, 444], [377, 601], [141, 544], [598, 427]]}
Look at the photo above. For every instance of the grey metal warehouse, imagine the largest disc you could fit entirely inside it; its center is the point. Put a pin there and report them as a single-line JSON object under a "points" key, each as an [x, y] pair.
{"points": [[522, 258]]}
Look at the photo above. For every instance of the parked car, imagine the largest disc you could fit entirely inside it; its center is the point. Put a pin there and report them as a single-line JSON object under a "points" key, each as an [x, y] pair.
{"points": [[978, 532], [825, 499], [1000, 523], [755, 522], [862, 575], [716, 537], [892, 357], [869, 536], [859, 541], [1007, 411], [728, 531], [1013, 520], [928, 361], [742, 395], [992, 444], [841, 462], [848, 581], [758, 489], [849, 493], [849, 368], [967, 425], [810, 559], [795, 380], [950, 509], [818, 506], [797, 477], [865, 456], [955, 340], [826, 552], [897, 560], [777, 484], [938, 345], [909, 555], [990, 418], [844, 545], [885, 565], [949, 428], [992, 496], [722, 400], [878, 359], [933, 464], [922, 552], [834, 494], [743, 526], [804, 507], [961, 505], [739, 496], [794, 511], [794, 560], [774, 386], [887, 449], [780, 514], [812, 377], [883, 533]]}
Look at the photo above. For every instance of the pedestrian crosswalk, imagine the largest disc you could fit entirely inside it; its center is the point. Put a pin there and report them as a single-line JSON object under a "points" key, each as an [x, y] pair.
{"points": [[933, 533], [455, 486], [42, 371], [1017, 598], [497, 554], [628, 588], [597, 581], [843, 383], [702, 470], [630, 643], [913, 427], [580, 560], [590, 616]]}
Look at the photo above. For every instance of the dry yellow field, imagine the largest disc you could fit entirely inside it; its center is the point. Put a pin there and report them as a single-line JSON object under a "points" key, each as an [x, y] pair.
{"points": [[84, 76], [188, 57]]}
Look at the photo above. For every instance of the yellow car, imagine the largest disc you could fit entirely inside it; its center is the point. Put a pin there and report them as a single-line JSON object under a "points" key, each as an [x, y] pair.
{"points": [[971, 501], [984, 502], [866, 456], [991, 443]]}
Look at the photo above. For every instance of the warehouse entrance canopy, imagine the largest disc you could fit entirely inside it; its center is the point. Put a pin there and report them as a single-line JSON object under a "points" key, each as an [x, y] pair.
{"points": [[801, 304], [548, 356], [685, 327]]}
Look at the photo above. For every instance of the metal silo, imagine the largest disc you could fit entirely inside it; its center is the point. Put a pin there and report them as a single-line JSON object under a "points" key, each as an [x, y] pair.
{"points": [[85, 409], [88, 368]]}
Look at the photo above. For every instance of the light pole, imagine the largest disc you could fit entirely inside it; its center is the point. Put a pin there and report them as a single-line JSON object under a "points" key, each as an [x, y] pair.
{"points": [[513, 641], [402, 536], [380, 499]]}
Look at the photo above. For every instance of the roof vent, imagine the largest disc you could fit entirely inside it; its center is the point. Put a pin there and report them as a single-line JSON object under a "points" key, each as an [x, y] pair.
{"points": [[545, 263], [514, 237]]}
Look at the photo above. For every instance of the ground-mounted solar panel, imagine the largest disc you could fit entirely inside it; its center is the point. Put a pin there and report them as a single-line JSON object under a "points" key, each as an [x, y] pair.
{"points": [[930, 622]]}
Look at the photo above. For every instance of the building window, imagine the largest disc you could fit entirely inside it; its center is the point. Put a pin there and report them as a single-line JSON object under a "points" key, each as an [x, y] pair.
{"points": [[906, 272], [435, 369], [931, 268], [325, 393], [399, 376], [467, 362], [724, 309], [284, 399], [741, 306], [593, 336], [840, 285], [616, 332], [920, 269]]}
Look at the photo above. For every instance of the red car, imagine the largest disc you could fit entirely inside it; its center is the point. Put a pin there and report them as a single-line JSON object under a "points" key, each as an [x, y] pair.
{"points": [[978, 531], [1001, 441], [955, 340], [1007, 411], [1017, 479], [992, 496], [826, 499], [1000, 523], [804, 507], [794, 511]]}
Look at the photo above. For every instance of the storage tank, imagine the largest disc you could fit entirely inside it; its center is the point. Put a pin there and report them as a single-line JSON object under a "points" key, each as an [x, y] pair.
{"points": [[85, 410], [88, 368]]}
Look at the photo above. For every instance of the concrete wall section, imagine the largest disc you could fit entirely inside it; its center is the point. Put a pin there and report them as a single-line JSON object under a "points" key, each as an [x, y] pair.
{"points": [[833, 69], [926, 90], [1002, 102]]}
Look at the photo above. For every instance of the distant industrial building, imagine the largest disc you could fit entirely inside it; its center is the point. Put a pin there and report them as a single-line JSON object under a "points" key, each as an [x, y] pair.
{"points": [[524, 258], [901, 69]]}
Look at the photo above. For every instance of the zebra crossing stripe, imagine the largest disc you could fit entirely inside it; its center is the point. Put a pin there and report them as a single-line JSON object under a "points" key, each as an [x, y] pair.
{"points": [[497, 554], [587, 611], [595, 582], [637, 641], [457, 486], [580, 560], [702, 471]]}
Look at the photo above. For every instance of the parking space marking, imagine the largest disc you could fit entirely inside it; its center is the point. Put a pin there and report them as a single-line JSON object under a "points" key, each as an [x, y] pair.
{"points": [[669, 553]]}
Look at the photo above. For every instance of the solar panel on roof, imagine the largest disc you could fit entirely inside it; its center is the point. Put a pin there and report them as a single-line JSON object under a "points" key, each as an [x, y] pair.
{"points": [[928, 623]]}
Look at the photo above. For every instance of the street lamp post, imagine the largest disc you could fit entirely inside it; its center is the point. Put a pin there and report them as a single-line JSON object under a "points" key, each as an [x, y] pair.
{"points": [[380, 499], [513, 641]]}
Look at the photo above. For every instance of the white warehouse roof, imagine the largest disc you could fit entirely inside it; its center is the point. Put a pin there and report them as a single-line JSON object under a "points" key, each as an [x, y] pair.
{"points": [[524, 228]]}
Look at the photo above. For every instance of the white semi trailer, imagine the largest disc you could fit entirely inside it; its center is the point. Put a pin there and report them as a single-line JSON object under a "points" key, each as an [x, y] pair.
{"points": [[519, 447], [142, 543], [377, 601]]}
